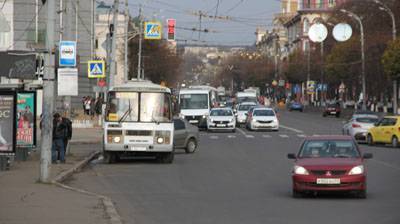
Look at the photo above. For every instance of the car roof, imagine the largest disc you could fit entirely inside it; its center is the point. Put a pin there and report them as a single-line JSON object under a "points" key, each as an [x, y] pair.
{"points": [[248, 103], [330, 137], [365, 116], [263, 108], [222, 108]]}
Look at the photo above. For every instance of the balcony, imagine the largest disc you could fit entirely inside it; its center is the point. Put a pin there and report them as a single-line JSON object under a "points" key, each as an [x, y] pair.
{"points": [[318, 5]]}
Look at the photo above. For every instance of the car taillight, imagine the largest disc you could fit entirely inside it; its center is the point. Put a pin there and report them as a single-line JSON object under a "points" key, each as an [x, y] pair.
{"points": [[356, 126]]}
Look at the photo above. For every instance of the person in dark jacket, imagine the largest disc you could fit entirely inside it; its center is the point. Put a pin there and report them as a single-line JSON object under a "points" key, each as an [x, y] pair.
{"points": [[60, 133], [68, 124]]}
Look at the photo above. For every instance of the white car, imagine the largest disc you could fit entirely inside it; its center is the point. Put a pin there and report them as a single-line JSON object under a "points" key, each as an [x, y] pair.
{"points": [[262, 118], [358, 126], [221, 119], [241, 111]]}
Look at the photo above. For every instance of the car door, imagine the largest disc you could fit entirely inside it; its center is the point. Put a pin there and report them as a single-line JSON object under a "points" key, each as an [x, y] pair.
{"points": [[389, 129], [179, 133], [379, 130]]}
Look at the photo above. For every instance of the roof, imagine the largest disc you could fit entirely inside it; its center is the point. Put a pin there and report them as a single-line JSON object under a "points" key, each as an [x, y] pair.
{"points": [[330, 137], [193, 91], [248, 103], [140, 86]]}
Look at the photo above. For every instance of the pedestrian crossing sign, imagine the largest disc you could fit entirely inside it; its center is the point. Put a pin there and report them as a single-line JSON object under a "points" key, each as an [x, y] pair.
{"points": [[96, 69], [152, 30]]}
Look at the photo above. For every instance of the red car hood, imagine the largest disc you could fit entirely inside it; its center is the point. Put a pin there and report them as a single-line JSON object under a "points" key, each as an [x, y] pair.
{"points": [[329, 163]]}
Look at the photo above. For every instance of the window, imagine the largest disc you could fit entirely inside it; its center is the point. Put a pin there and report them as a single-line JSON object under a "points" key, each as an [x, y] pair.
{"points": [[179, 124], [221, 113], [194, 101], [331, 3], [329, 149], [268, 113], [306, 26], [155, 107], [123, 105]]}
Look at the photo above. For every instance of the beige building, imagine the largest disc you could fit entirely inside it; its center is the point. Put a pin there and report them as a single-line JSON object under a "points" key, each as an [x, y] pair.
{"points": [[104, 17]]}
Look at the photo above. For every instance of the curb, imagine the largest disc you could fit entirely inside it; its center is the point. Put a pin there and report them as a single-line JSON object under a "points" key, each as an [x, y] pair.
{"points": [[97, 141], [109, 206]]}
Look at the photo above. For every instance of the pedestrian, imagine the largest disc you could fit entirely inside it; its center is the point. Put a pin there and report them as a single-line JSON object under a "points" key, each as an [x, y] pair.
{"points": [[99, 105], [92, 107], [87, 105], [60, 133], [67, 138]]}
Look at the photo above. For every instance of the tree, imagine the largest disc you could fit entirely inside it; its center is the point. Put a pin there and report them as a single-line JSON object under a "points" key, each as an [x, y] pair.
{"points": [[160, 63], [391, 60]]}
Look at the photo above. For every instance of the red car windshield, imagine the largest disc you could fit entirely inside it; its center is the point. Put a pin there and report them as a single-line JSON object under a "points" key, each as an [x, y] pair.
{"points": [[329, 149]]}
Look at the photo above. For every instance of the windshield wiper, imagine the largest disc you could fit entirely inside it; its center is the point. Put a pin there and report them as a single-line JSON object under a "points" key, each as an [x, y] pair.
{"points": [[126, 113]]}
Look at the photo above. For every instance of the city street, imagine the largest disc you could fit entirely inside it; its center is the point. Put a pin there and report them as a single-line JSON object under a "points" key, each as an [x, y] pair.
{"points": [[244, 177]]}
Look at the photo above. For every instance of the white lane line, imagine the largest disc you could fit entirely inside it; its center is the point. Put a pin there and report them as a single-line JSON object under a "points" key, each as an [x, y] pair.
{"points": [[301, 136], [267, 136], [231, 136], [214, 137], [284, 136], [244, 133], [386, 164], [316, 135], [291, 129]]}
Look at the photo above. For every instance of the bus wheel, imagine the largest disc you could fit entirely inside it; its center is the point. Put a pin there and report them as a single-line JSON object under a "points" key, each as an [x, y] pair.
{"points": [[109, 157], [167, 157]]}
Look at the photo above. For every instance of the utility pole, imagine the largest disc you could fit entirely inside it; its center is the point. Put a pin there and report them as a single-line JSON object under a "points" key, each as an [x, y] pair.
{"points": [[322, 73], [48, 96], [92, 29], [76, 20], [114, 43], [200, 20], [61, 12], [126, 69], [67, 35], [139, 69]]}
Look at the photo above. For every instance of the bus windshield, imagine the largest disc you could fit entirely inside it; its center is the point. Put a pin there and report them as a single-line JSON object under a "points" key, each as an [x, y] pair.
{"points": [[194, 101], [124, 107]]}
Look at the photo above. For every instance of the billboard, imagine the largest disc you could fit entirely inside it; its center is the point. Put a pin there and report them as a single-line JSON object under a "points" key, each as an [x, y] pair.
{"points": [[7, 123], [26, 119]]}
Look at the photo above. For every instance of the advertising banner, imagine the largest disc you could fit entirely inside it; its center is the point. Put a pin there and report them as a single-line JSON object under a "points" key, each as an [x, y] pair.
{"points": [[26, 114], [7, 123]]}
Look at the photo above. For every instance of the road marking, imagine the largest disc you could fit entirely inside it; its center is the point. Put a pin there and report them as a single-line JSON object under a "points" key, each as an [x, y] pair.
{"points": [[267, 136], [231, 136], [244, 133], [284, 136], [214, 137], [316, 135], [291, 129], [386, 164], [301, 136], [249, 136]]}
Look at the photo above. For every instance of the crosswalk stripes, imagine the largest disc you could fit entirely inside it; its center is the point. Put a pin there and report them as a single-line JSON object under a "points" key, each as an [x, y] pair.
{"points": [[301, 136], [284, 136], [249, 136], [263, 136], [214, 137], [231, 136], [267, 136]]}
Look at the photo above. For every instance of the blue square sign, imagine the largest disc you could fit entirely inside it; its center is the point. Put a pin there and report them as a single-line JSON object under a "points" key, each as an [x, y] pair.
{"points": [[67, 54]]}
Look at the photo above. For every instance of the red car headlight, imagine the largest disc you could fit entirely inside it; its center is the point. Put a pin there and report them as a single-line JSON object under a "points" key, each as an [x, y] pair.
{"points": [[300, 170], [357, 170]]}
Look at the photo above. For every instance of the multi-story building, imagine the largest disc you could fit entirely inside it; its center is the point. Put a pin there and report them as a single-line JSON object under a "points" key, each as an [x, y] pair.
{"points": [[23, 27]]}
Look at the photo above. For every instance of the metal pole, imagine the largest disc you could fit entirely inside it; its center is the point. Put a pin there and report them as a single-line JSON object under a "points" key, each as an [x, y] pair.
{"points": [[76, 20], [126, 69], [61, 20], [139, 68], [92, 29], [48, 91], [114, 42], [322, 72], [36, 21]]}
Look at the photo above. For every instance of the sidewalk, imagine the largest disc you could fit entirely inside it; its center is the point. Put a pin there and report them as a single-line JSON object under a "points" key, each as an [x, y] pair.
{"points": [[25, 201]]}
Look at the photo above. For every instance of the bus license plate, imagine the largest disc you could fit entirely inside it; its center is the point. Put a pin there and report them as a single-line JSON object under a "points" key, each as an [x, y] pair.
{"points": [[328, 181], [138, 148]]}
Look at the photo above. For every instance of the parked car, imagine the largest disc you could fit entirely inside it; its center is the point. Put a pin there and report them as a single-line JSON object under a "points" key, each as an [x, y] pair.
{"points": [[386, 131], [329, 163], [332, 109], [221, 119], [262, 118], [241, 111], [186, 136], [296, 106], [358, 126]]}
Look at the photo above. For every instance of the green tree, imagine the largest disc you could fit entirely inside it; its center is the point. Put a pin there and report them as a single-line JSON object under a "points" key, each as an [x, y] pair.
{"points": [[391, 60]]}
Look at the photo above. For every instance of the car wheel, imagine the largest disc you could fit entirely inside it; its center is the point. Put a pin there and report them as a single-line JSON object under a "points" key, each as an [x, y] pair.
{"points": [[109, 157], [234, 130], [362, 194], [166, 158], [296, 194], [338, 115], [395, 142], [324, 114], [370, 140], [301, 110], [191, 146]]}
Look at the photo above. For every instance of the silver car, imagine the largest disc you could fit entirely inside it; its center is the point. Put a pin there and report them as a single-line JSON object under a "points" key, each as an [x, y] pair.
{"points": [[221, 119], [186, 136], [358, 126], [241, 111]]}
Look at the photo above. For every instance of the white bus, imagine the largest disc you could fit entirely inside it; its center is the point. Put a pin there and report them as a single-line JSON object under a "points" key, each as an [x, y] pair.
{"points": [[195, 104], [138, 122]]}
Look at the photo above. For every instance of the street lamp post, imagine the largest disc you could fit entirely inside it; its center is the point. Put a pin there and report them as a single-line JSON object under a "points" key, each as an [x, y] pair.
{"points": [[363, 81], [384, 7]]}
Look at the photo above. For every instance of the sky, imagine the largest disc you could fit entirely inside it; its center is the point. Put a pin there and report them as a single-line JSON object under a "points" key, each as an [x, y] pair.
{"points": [[239, 29]]}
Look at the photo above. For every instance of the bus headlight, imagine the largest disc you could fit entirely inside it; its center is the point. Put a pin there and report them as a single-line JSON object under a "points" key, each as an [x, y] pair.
{"points": [[117, 139], [162, 137]]}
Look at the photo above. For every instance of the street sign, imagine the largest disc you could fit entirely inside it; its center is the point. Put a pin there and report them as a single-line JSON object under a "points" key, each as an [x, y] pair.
{"points": [[342, 32], [152, 30], [318, 32], [96, 69], [67, 82], [281, 83], [67, 54], [310, 87], [171, 29], [101, 83]]}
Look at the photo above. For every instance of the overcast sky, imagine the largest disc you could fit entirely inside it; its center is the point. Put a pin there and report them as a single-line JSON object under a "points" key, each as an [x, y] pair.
{"points": [[245, 17]]}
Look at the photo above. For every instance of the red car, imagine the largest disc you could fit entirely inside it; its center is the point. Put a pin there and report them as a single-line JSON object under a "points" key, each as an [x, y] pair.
{"points": [[332, 109], [329, 163]]}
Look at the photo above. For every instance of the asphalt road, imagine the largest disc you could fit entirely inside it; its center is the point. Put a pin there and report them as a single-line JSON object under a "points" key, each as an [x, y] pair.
{"points": [[244, 177]]}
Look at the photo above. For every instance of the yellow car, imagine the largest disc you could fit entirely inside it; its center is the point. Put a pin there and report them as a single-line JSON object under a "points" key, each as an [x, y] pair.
{"points": [[386, 131]]}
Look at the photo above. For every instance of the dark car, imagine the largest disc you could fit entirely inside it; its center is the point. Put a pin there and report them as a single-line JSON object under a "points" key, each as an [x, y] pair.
{"points": [[332, 109], [296, 106], [329, 163], [186, 136]]}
